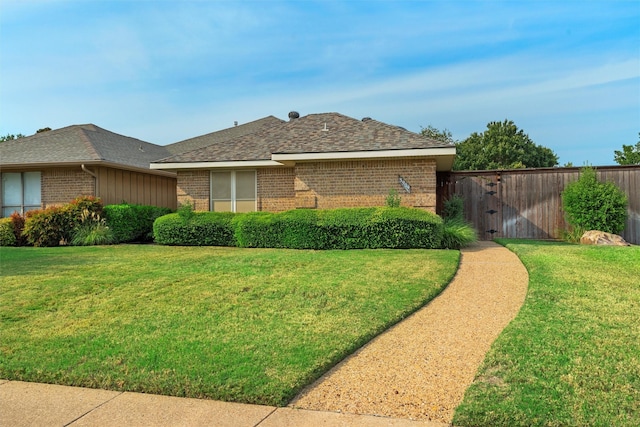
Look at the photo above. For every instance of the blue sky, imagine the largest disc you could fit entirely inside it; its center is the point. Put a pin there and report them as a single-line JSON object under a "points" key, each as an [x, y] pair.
{"points": [[566, 72]]}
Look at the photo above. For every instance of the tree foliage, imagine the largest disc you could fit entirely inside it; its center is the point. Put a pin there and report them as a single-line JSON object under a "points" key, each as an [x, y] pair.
{"points": [[437, 134], [10, 137], [502, 146], [629, 155]]}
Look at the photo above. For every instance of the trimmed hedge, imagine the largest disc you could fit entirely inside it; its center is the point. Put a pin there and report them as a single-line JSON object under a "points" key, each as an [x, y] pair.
{"points": [[352, 228], [197, 229], [132, 223], [7, 237]]}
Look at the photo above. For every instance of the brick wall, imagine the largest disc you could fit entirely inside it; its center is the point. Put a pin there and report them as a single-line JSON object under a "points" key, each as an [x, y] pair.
{"points": [[275, 189], [61, 185], [194, 188], [328, 185]]}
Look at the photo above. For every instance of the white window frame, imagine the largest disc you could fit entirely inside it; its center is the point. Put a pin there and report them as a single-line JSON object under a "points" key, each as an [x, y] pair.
{"points": [[22, 207], [233, 188]]}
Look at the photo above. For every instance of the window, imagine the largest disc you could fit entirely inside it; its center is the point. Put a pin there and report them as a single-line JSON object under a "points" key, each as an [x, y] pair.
{"points": [[20, 192], [233, 191]]}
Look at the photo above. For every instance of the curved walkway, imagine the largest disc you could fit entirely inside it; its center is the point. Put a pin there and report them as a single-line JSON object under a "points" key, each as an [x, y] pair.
{"points": [[417, 370], [420, 368]]}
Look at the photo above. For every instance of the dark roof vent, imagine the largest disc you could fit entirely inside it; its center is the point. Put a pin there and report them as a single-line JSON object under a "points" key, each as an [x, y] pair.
{"points": [[366, 119], [294, 115]]}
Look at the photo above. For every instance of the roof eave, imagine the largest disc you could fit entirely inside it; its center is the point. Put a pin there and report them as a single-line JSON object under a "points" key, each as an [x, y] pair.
{"points": [[43, 165], [215, 165], [444, 155], [444, 158]]}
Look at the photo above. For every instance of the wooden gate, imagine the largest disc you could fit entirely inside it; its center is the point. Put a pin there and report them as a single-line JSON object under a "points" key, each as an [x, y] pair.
{"points": [[482, 203]]}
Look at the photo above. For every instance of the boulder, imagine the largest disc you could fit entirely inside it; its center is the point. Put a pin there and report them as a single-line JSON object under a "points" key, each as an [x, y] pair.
{"points": [[595, 237]]}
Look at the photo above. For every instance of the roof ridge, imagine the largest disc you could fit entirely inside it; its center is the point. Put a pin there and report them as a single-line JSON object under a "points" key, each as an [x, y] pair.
{"points": [[230, 129], [88, 143]]}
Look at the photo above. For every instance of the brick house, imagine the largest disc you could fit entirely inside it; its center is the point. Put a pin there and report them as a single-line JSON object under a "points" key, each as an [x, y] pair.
{"points": [[54, 167], [318, 161]]}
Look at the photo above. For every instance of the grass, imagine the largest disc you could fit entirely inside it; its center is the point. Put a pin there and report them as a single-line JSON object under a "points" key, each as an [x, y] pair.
{"points": [[245, 325], [572, 355]]}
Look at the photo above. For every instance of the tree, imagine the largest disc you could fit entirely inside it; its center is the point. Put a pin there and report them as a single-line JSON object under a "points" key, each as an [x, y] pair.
{"points": [[629, 155], [9, 137], [437, 134], [502, 146]]}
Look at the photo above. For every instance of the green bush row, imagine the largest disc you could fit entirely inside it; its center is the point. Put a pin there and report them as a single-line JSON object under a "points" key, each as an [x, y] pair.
{"points": [[132, 223], [198, 229], [83, 221], [353, 228]]}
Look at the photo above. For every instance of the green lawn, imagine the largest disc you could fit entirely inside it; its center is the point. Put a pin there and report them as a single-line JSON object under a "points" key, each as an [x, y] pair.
{"points": [[245, 325], [572, 355]]}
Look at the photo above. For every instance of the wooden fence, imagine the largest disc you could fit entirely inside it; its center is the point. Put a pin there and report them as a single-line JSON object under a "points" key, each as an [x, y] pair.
{"points": [[526, 203]]}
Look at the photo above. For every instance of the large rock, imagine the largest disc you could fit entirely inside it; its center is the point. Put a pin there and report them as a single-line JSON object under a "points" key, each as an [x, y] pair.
{"points": [[594, 237]]}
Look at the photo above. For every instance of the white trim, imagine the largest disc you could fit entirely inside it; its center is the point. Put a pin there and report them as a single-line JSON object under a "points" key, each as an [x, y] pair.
{"points": [[216, 165], [418, 152], [280, 159]]}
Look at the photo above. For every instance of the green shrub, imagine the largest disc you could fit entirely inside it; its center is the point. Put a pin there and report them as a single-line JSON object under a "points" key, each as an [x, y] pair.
{"points": [[457, 234], [45, 227], [17, 222], [201, 229], [185, 210], [132, 223], [7, 237], [453, 208], [593, 205], [55, 225], [350, 228], [393, 199], [257, 230], [92, 230]]}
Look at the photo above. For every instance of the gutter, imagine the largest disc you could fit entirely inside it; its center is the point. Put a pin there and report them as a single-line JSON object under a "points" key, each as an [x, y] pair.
{"points": [[95, 179], [88, 171]]}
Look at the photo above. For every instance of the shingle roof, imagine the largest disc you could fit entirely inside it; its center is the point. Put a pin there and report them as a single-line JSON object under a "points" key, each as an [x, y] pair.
{"points": [[80, 143], [314, 133], [222, 135]]}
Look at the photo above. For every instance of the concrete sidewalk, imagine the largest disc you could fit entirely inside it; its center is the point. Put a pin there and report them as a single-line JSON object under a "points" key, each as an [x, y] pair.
{"points": [[32, 404]]}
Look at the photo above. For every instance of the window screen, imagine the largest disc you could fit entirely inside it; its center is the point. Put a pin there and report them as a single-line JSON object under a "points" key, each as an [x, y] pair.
{"points": [[20, 192], [233, 191]]}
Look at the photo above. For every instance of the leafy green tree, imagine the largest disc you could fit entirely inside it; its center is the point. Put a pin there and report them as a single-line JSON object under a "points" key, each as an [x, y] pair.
{"points": [[9, 137], [437, 134], [502, 146], [629, 155]]}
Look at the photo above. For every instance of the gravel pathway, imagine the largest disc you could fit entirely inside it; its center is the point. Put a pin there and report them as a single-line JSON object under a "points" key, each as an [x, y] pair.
{"points": [[420, 368]]}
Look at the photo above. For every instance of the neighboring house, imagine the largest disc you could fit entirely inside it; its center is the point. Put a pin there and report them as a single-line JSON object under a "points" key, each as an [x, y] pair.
{"points": [[317, 161], [54, 167]]}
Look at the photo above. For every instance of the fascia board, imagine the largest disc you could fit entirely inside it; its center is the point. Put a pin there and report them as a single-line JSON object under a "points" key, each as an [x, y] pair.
{"points": [[216, 165], [343, 155]]}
